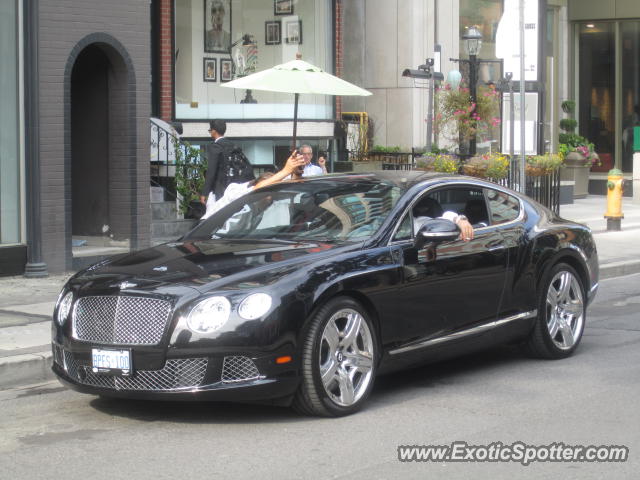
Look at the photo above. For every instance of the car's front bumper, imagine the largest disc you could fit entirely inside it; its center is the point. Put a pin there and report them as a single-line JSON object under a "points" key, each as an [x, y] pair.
{"points": [[240, 376]]}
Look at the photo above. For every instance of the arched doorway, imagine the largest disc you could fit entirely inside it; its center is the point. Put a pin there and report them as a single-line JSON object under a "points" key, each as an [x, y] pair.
{"points": [[101, 150], [90, 143]]}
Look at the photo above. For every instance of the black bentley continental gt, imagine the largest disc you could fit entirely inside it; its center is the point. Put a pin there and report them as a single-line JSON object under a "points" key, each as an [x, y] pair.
{"points": [[302, 292]]}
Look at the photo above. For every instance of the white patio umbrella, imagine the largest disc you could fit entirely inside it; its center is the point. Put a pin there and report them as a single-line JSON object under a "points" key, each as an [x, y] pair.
{"points": [[297, 77]]}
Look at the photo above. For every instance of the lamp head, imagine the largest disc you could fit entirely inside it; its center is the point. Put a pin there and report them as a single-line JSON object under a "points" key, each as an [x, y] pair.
{"points": [[472, 40]]}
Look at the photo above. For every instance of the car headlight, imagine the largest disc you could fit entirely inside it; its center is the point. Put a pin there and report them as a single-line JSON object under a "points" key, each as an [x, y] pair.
{"points": [[209, 315], [254, 306], [64, 308]]}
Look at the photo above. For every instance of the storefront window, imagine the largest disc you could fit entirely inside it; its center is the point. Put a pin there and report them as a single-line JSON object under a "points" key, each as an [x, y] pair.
{"points": [[218, 40], [597, 88], [9, 125], [630, 32]]}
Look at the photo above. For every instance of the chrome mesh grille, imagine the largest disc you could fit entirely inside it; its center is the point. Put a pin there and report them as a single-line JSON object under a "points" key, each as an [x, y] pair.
{"points": [[121, 320], [239, 369], [176, 373]]}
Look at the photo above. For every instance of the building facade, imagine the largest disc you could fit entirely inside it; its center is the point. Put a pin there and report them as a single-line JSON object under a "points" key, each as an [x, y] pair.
{"points": [[80, 81], [13, 252], [75, 129], [605, 72]]}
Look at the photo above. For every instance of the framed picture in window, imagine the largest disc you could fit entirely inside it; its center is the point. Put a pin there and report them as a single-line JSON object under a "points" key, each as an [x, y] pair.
{"points": [[283, 7], [294, 32], [217, 26], [272, 35], [209, 67], [226, 72]]}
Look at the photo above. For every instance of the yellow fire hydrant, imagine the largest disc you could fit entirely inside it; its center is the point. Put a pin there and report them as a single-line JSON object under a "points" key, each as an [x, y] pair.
{"points": [[615, 189]]}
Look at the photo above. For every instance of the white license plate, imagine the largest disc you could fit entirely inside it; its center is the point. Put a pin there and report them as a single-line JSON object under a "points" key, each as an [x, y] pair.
{"points": [[116, 362]]}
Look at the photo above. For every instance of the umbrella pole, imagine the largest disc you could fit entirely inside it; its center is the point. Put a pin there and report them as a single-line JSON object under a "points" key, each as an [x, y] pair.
{"points": [[295, 121]]}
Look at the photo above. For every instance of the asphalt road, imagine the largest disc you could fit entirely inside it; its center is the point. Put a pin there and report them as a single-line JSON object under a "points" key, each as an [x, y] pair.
{"points": [[499, 395]]}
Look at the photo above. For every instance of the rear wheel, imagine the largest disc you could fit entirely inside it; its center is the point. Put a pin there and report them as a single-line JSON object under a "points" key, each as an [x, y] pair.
{"points": [[561, 314], [338, 360]]}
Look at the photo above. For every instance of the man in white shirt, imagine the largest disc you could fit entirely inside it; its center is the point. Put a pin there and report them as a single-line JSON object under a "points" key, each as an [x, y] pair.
{"points": [[429, 208], [310, 169], [236, 190]]}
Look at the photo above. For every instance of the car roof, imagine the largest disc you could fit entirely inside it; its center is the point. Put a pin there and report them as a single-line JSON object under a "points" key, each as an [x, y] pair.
{"points": [[404, 179]]}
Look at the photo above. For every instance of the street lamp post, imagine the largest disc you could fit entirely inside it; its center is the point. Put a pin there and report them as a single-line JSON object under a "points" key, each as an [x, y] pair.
{"points": [[473, 43]]}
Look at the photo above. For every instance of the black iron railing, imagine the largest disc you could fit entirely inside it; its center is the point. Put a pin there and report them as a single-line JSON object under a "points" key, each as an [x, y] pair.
{"points": [[164, 143], [544, 189]]}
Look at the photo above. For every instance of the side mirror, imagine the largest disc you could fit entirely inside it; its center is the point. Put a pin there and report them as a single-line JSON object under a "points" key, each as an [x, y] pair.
{"points": [[437, 230]]}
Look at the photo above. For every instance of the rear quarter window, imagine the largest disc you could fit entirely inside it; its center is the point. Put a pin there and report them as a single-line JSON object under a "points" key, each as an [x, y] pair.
{"points": [[504, 207]]}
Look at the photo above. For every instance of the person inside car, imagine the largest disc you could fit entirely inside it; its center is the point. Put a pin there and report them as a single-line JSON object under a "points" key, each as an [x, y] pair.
{"points": [[429, 208], [293, 168]]}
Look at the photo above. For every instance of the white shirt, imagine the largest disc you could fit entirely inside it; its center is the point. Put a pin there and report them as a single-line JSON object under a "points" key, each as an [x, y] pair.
{"points": [[419, 221], [312, 170], [231, 193]]}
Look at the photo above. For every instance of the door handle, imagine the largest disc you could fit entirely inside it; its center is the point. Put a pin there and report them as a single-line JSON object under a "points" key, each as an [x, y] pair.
{"points": [[495, 245]]}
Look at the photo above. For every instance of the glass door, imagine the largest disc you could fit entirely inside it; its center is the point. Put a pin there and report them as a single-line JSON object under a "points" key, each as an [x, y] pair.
{"points": [[630, 73], [597, 89]]}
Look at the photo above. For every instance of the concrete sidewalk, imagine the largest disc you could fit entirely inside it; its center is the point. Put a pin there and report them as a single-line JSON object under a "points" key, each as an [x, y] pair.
{"points": [[26, 305]]}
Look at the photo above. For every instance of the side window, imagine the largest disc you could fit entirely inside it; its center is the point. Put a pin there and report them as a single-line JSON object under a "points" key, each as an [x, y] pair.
{"points": [[504, 207], [463, 201], [404, 231]]}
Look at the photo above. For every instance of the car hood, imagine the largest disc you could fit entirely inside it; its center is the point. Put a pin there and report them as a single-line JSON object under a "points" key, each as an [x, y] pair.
{"points": [[205, 264]]}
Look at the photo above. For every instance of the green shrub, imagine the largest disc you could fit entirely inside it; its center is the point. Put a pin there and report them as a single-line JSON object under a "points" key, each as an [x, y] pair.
{"points": [[191, 168], [568, 124], [568, 106]]}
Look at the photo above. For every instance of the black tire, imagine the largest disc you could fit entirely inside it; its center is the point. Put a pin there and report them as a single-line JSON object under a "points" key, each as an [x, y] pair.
{"points": [[334, 400], [567, 319]]}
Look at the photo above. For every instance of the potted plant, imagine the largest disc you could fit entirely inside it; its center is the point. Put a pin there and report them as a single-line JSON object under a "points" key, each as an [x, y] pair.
{"points": [[577, 152], [540, 165], [461, 117], [494, 166]]}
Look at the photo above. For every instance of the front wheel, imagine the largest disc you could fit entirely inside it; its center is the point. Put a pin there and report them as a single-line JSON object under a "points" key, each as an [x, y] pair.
{"points": [[338, 360], [561, 314]]}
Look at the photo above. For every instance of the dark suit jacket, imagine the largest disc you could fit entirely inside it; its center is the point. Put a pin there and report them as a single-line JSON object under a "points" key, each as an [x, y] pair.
{"points": [[214, 180]]}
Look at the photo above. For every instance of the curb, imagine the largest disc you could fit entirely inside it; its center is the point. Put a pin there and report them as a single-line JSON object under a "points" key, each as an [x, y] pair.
{"points": [[30, 368], [25, 369], [619, 269]]}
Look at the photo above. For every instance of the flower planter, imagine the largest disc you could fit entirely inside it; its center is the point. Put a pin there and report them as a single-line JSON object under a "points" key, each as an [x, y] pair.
{"points": [[577, 169], [474, 171]]}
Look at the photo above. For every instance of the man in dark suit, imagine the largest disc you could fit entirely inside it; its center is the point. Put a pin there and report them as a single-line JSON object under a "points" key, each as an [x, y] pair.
{"points": [[215, 183]]}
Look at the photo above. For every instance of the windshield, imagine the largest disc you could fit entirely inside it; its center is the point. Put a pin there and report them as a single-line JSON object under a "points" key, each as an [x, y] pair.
{"points": [[319, 210]]}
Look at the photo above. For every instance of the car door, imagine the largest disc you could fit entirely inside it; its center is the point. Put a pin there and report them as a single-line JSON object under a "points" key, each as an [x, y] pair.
{"points": [[454, 285], [507, 214]]}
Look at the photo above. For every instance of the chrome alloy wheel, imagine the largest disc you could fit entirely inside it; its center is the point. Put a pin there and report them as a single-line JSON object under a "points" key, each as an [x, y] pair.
{"points": [[346, 357], [565, 310]]}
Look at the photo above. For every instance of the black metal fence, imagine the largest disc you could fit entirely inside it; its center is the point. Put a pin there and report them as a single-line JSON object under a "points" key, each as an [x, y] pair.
{"points": [[544, 189]]}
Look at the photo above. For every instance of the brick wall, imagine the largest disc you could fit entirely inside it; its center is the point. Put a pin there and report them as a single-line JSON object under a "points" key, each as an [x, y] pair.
{"points": [[166, 60], [339, 51], [122, 29]]}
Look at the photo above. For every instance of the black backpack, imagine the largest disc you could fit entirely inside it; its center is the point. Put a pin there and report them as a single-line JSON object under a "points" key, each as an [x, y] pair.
{"points": [[235, 167]]}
